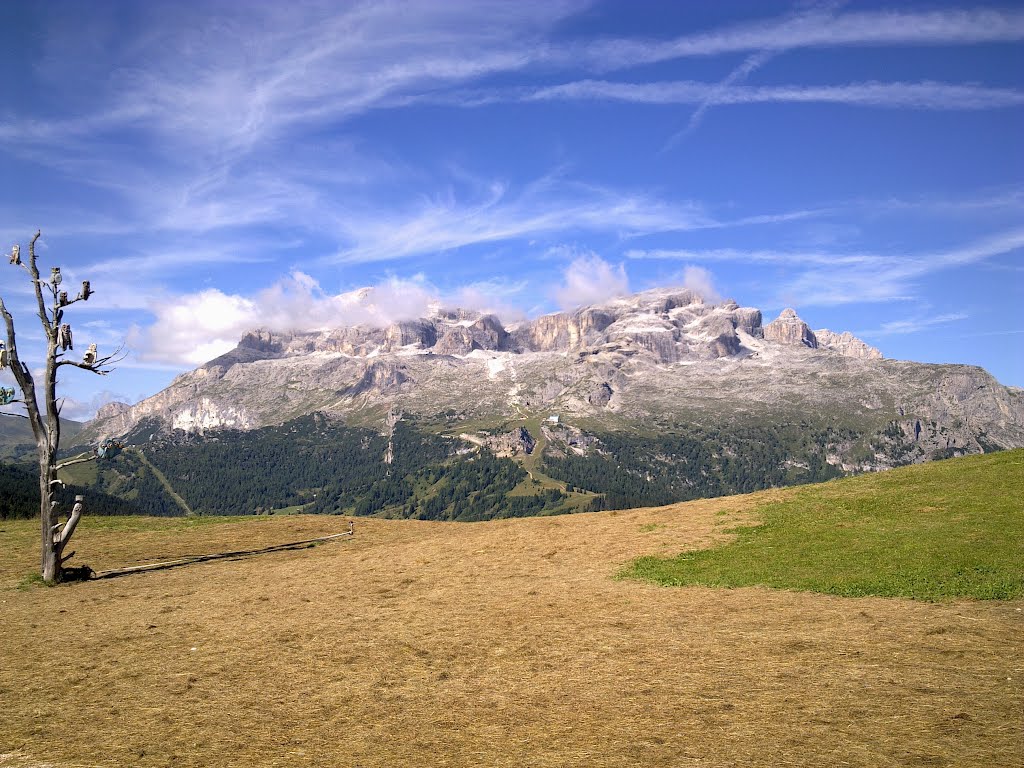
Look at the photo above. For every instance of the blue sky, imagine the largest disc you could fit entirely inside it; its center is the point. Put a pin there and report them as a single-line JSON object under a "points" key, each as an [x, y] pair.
{"points": [[212, 167]]}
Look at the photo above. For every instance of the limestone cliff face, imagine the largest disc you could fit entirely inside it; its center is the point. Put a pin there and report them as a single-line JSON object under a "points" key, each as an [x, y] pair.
{"points": [[748, 320], [419, 332], [488, 333], [456, 341], [847, 344], [381, 376], [564, 331], [663, 356], [787, 328], [720, 332], [653, 333], [206, 414]]}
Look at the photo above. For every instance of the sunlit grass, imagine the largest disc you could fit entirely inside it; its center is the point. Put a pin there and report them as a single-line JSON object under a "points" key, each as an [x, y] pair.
{"points": [[942, 530]]}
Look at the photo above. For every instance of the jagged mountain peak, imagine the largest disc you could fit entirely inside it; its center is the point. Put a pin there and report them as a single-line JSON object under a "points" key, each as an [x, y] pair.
{"points": [[671, 323]]}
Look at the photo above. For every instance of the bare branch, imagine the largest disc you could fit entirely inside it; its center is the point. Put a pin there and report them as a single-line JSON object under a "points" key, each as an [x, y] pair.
{"points": [[33, 271], [94, 368], [75, 300], [99, 367]]}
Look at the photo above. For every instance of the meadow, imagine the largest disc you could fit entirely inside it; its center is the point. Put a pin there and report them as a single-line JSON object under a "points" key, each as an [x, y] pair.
{"points": [[539, 641]]}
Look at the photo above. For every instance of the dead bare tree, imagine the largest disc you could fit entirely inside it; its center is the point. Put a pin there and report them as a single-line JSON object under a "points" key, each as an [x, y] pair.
{"points": [[45, 417]]}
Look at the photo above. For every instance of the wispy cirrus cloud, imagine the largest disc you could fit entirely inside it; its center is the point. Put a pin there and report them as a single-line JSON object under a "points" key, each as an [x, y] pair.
{"points": [[193, 79], [542, 208], [861, 28], [493, 212], [206, 116], [831, 278], [758, 256], [750, 64], [895, 276], [914, 324], [923, 95], [228, 78]]}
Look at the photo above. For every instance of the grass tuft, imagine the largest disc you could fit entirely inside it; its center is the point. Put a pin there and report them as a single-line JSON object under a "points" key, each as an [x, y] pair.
{"points": [[33, 580], [949, 529]]}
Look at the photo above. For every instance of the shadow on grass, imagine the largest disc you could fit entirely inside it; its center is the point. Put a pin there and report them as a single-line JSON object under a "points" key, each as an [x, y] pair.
{"points": [[194, 559]]}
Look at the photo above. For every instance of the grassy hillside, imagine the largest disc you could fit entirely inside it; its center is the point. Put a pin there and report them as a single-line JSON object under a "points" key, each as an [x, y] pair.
{"points": [[505, 643], [17, 442], [945, 529]]}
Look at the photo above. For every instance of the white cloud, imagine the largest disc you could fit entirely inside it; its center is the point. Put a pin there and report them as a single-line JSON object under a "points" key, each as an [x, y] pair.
{"points": [[194, 328], [490, 296], [589, 279], [700, 280]]}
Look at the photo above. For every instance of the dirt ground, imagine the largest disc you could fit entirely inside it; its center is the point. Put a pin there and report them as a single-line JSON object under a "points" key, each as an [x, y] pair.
{"points": [[508, 643]]}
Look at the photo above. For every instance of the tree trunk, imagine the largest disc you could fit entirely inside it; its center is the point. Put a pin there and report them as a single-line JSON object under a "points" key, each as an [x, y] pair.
{"points": [[48, 515]]}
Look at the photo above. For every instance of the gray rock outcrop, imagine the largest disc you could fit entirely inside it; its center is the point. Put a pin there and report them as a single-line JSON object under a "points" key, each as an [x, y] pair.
{"points": [[419, 332], [788, 328], [518, 441], [456, 341], [846, 344]]}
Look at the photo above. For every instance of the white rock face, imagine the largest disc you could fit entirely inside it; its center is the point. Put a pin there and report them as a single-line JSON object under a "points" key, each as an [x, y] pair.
{"points": [[206, 414]]}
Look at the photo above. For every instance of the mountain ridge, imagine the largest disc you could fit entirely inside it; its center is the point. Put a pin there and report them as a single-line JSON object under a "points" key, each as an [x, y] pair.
{"points": [[653, 360]]}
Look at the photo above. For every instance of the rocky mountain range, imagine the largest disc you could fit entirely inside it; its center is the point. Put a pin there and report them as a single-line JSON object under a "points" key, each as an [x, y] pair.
{"points": [[652, 362]]}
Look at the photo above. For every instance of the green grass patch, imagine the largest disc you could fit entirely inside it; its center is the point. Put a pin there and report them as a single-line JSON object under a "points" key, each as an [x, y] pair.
{"points": [[936, 531], [33, 580], [296, 509]]}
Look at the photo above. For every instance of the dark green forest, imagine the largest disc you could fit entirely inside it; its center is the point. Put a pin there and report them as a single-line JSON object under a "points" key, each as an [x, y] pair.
{"points": [[323, 466], [695, 462], [19, 496], [319, 465]]}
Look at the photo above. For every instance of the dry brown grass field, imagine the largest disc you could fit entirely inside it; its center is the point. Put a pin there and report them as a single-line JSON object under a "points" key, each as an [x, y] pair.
{"points": [[507, 643]]}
